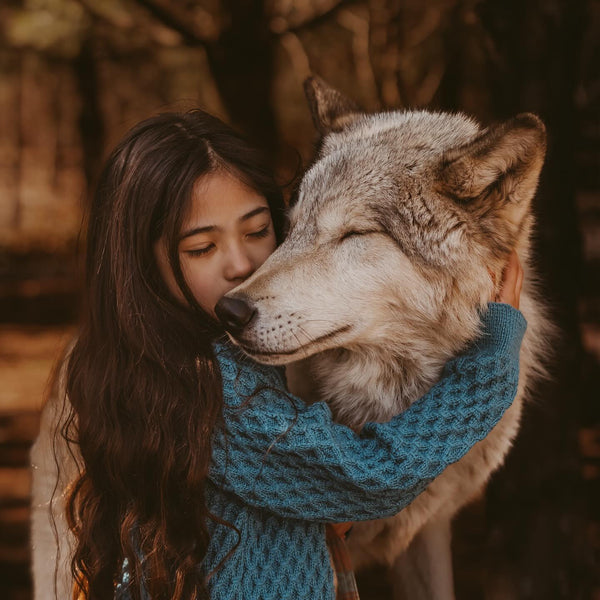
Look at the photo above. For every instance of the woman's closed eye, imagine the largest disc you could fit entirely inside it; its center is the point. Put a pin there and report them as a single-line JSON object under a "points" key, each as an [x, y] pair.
{"points": [[261, 233], [200, 251]]}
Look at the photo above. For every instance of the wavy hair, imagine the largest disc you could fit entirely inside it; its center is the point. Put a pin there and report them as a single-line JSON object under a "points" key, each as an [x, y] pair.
{"points": [[142, 378]]}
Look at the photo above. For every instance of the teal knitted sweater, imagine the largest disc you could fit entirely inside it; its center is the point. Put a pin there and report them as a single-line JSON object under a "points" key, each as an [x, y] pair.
{"points": [[281, 469]]}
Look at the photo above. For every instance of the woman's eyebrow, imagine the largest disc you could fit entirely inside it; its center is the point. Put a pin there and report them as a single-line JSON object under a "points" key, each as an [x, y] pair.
{"points": [[254, 212], [197, 230], [205, 229]]}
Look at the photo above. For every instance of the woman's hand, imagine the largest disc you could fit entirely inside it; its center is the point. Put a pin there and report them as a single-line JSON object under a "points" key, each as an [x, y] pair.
{"points": [[512, 282]]}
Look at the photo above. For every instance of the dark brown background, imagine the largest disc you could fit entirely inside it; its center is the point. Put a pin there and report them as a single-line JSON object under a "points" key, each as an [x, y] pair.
{"points": [[75, 74]]}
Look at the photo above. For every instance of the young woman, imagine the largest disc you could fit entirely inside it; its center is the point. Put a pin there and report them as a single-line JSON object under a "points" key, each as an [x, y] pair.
{"points": [[202, 477]]}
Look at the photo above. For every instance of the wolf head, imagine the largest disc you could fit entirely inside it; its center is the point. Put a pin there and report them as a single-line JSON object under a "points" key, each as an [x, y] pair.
{"points": [[393, 235]]}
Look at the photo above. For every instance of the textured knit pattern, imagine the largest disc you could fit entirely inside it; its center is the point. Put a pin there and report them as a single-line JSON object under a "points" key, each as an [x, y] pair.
{"points": [[281, 469]]}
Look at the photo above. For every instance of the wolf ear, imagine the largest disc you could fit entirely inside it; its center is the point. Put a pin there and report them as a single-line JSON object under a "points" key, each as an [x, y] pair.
{"points": [[498, 171], [330, 109]]}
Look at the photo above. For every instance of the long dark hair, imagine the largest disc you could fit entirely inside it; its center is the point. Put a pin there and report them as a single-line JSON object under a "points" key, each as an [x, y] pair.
{"points": [[142, 377]]}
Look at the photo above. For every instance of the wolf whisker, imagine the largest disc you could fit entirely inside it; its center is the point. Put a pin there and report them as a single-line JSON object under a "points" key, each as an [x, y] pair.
{"points": [[328, 321], [302, 347]]}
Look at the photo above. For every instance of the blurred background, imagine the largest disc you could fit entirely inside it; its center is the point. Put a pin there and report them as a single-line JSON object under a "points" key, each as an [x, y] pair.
{"points": [[76, 74]]}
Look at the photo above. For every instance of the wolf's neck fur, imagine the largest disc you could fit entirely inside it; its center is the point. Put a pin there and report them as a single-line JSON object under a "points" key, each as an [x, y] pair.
{"points": [[360, 386]]}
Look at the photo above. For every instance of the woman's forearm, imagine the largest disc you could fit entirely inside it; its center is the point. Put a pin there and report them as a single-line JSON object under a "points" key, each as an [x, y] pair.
{"points": [[296, 462]]}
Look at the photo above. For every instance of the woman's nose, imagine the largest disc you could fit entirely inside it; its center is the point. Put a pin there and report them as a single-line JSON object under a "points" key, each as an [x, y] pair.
{"points": [[239, 264]]}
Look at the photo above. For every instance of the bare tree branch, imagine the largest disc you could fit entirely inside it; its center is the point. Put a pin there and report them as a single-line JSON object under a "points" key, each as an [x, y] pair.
{"points": [[193, 30], [205, 30], [297, 54], [300, 20], [109, 12], [359, 26]]}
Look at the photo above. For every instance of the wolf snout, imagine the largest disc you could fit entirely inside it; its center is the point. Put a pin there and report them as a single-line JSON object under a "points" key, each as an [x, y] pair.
{"points": [[234, 313]]}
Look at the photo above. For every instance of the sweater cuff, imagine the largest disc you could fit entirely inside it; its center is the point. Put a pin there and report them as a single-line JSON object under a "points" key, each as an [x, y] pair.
{"points": [[503, 329]]}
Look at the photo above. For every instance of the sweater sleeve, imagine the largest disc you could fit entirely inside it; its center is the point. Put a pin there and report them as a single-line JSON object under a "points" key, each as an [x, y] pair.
{"points": [[275, 452]]}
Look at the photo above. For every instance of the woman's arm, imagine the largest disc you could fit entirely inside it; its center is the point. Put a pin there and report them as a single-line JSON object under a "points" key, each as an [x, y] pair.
{"points": [[292, 459]]}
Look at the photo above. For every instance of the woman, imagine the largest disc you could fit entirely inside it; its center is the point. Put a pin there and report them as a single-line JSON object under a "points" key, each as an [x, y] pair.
{"points": [[201, 476]]}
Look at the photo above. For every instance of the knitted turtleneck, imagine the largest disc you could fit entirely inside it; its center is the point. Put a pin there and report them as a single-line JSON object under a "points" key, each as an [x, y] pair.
{"points": [[281, 469]]}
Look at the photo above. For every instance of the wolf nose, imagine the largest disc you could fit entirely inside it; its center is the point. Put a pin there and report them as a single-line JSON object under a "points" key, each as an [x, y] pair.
{"points": [[234, 313]]}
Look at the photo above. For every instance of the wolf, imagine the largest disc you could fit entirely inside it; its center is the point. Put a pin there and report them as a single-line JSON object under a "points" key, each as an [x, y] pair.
{"points": [[393, 234]]}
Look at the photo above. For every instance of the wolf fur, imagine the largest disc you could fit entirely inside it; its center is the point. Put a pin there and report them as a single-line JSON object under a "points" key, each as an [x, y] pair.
{"points": [[396, 228]]}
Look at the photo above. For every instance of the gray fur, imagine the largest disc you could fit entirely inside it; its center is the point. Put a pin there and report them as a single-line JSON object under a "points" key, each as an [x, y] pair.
{"points": [[381, 281]]}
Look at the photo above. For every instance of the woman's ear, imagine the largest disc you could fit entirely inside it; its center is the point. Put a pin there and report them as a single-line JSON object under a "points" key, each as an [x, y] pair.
{"points": [[330, 109]]}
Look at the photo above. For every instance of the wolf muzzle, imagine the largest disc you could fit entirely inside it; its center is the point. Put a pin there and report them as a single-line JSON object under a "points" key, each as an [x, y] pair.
{"points": [[234, 313]]}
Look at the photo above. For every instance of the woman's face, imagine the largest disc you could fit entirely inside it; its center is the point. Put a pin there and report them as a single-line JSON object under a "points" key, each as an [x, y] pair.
{"points": [[227, 233]]}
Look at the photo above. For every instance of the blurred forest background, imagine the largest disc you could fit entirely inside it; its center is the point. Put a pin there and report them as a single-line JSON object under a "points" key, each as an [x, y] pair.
{"points": [[76, 74]]}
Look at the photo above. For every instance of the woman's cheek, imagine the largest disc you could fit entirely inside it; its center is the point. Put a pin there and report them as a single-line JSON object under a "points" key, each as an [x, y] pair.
{"points": [[201, 280]]}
